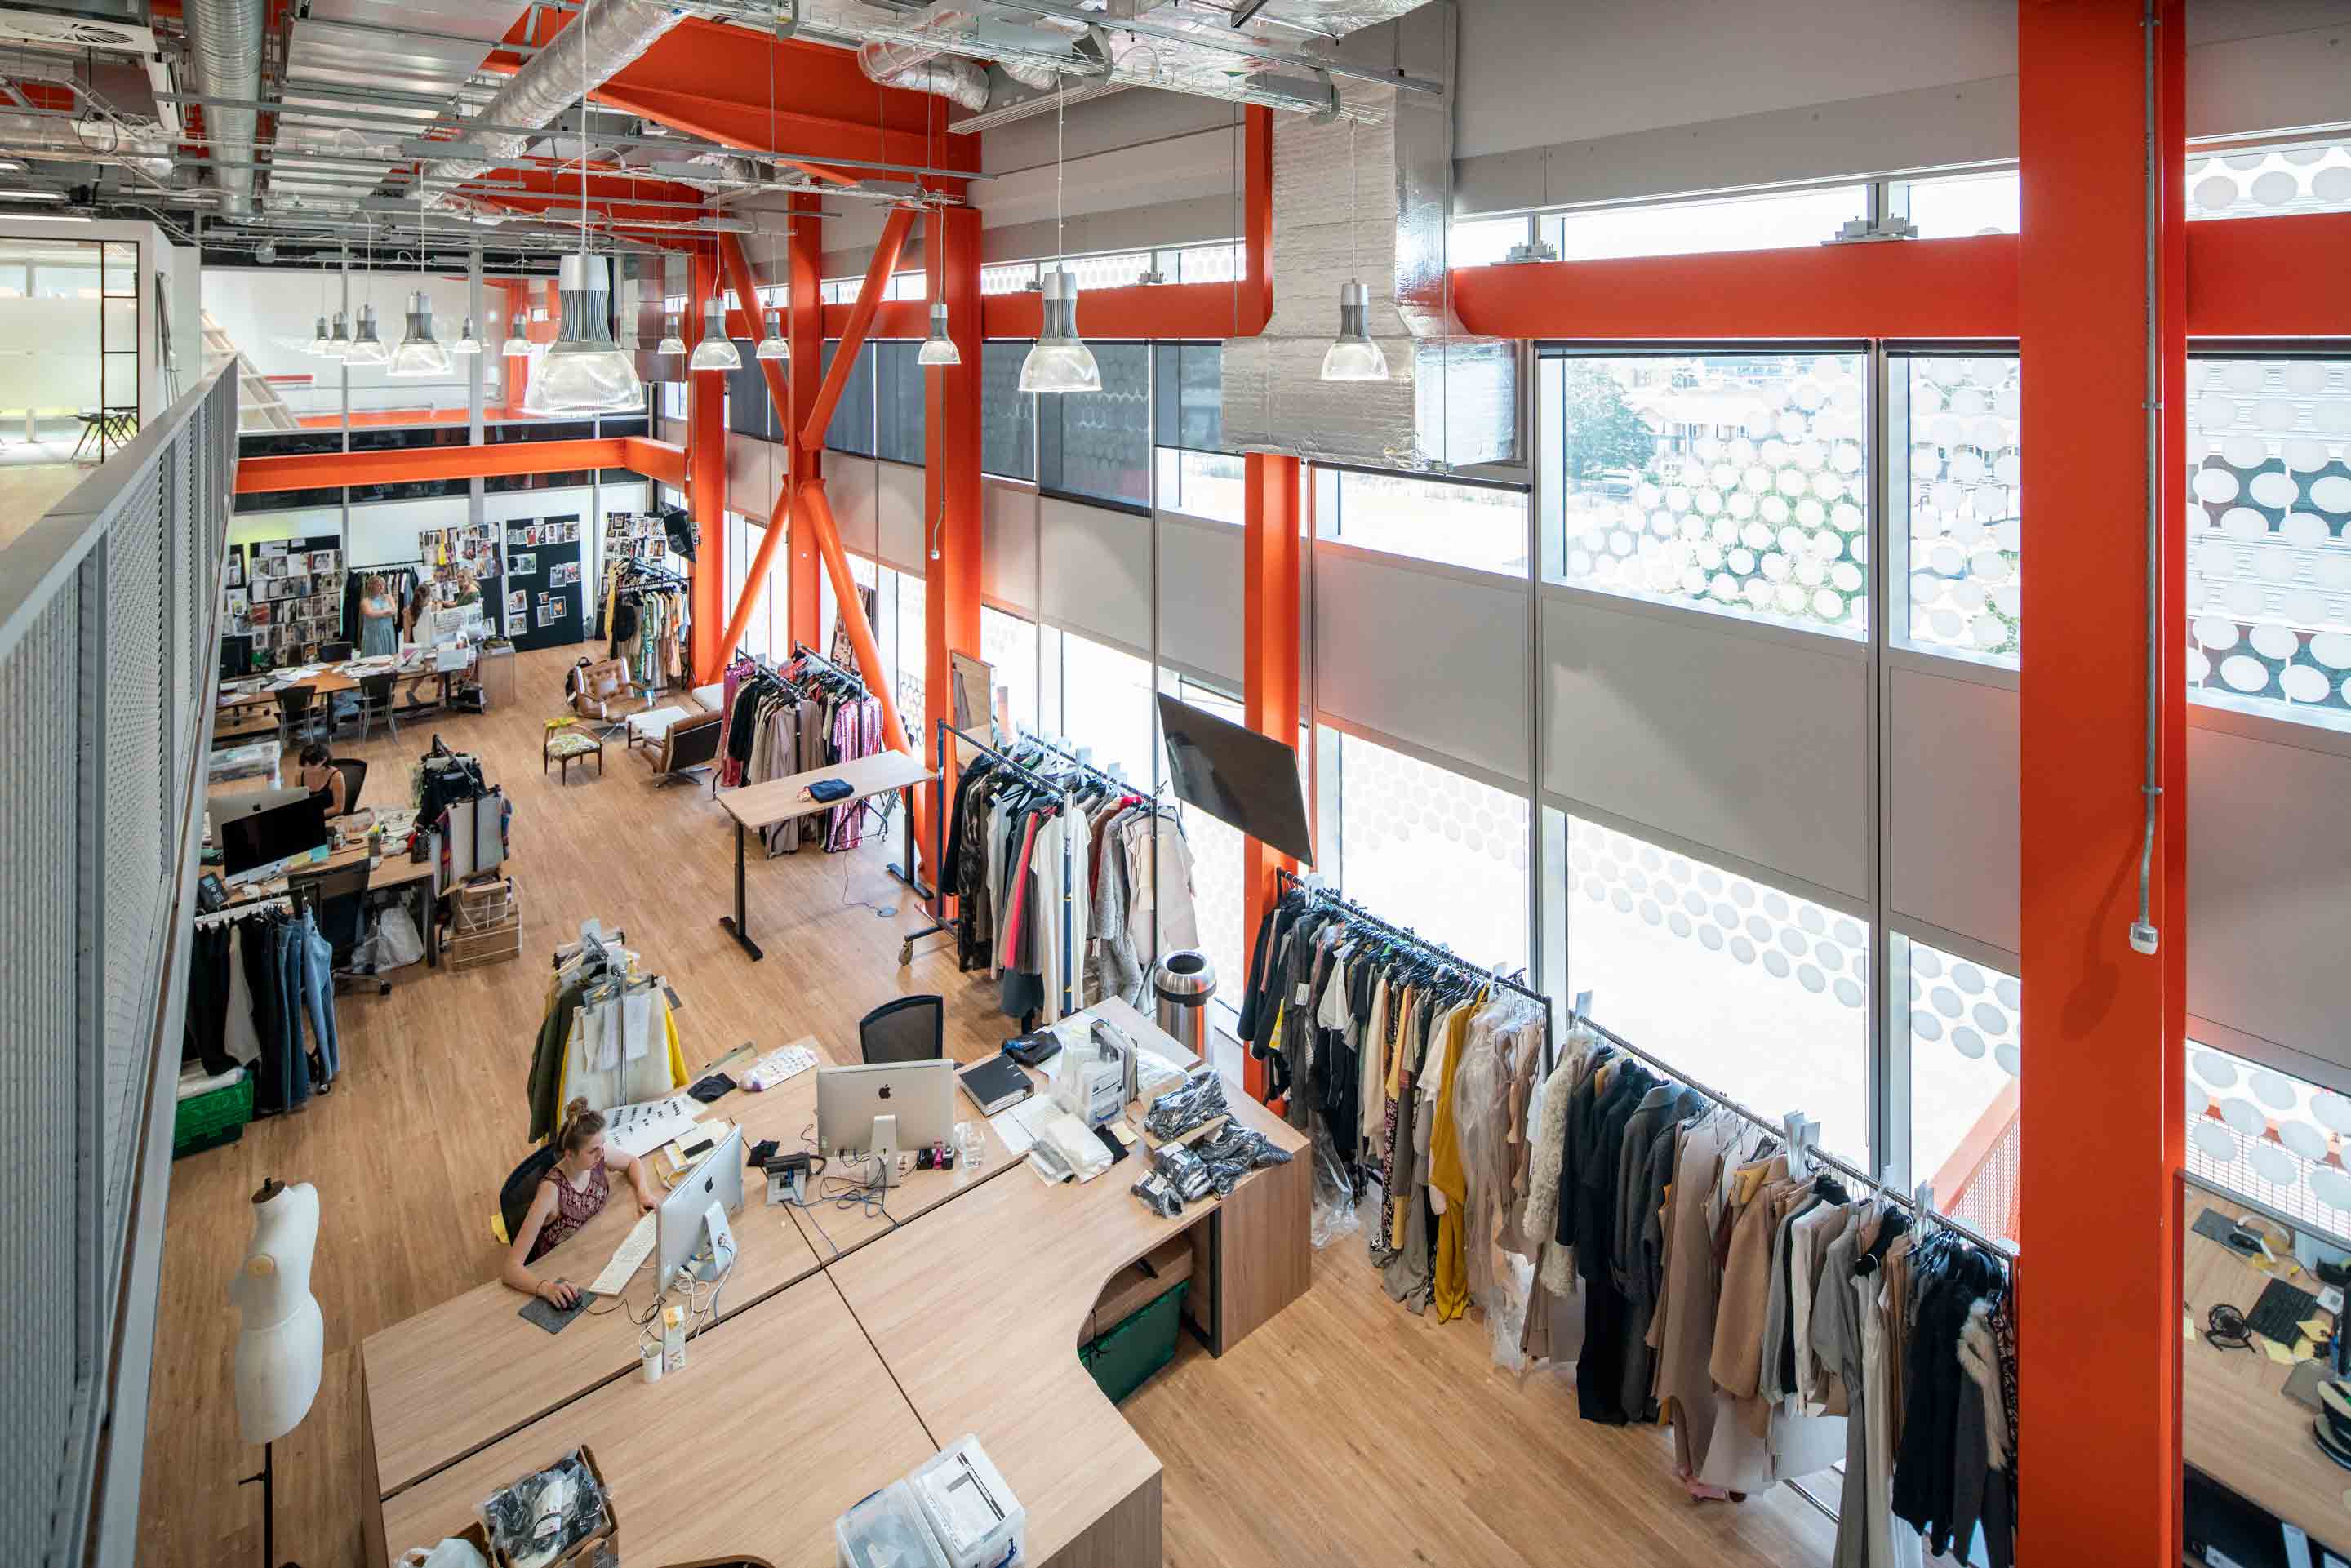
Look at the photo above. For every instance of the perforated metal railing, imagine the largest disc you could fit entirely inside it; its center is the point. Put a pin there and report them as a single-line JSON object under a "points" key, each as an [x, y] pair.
{"points": [[109, 647]]}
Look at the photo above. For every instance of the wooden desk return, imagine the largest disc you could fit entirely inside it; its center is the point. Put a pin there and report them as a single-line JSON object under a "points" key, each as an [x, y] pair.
{"points": [[2236, 1424], [758, 806]]}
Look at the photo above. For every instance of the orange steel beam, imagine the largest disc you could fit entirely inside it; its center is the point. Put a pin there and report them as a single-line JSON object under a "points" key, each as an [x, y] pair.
{"points": [[804, 328], [861, 318], [2102, 1332], [1270, 661], [951, 491], [737, 269], [316, 470], [659, 460], [2270, 277], [705, 490], [1257, 231]]}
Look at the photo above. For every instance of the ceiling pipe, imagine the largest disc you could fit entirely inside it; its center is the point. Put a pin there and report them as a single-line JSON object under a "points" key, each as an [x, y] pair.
{"points": [[918, 68], [225, 50], [602, 40]]}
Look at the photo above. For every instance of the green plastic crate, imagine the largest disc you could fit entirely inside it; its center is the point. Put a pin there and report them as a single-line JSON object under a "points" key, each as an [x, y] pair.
{"points": [[1124, 1358], [206, 1120]]}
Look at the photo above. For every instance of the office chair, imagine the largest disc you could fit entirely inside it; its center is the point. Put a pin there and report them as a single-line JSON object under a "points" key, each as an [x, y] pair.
{"points": [[296, 717], [912, 1029], [339, 904], [354, 772], [375, 704]]}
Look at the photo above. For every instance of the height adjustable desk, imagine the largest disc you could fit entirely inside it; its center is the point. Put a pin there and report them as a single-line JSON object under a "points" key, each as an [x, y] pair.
{"points": [[758, 806]]}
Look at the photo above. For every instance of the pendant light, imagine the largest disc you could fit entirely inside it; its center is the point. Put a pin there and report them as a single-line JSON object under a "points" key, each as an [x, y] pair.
{"points": [[367, 349], [1060, 362], [420, 353], [516, 345], [715, 352], [584, 371], [671, 343], [772, 346], [938, 349], [322, 344], [1352, 356], [339, 344], [467, 344]]}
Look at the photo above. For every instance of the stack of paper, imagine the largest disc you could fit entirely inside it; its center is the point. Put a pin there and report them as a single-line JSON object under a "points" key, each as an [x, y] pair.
{"points": [[641, 1128]]}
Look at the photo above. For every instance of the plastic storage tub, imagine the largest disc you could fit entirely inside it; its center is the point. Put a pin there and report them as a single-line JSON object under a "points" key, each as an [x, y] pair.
{"points": [[208, 1121], [1128, 1352], [972, 1514], [887, 1530]]}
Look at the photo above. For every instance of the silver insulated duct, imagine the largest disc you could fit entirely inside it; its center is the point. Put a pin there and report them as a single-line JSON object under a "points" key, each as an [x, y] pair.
{"points": [[1451, 399], [90, 139], [225, 50], [599, 43], [917, 68]]}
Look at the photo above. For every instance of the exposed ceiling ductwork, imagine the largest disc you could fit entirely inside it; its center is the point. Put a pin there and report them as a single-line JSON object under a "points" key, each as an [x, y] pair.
{"points": [[599, 41], [225, 53], [1450, 399]]}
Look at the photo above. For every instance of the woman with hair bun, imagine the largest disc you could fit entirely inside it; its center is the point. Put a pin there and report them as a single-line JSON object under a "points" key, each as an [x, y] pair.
{"points": [[571, 1194]]}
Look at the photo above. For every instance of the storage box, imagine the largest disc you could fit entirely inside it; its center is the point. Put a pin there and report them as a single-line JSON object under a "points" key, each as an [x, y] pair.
{"points": [[887, 1530], [484, 906], [600, 1547], [207, 1121], [1138, 1285], [972, 1514]]}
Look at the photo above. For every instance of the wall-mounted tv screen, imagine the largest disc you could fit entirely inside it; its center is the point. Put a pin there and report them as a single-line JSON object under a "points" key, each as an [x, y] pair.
{"points": [[1236, 776]]}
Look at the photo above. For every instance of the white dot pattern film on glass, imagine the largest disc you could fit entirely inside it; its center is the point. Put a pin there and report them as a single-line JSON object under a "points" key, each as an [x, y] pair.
{"points": [[2271, 1138], [2268, 564], [1732, 482], [2264, 183], [1965, 507]]}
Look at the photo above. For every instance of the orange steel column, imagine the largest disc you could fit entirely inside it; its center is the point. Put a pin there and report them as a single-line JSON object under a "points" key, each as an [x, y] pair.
{"points": [[1270, 661], [804, 332], [951, 490], [2099, 1336], [1257, 232], [737, 269], [706, 489]]}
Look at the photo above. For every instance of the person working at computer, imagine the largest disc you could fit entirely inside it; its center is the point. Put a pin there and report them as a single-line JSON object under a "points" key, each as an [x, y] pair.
{"points": [[571, 1194], [319, 776], [379, 621]]}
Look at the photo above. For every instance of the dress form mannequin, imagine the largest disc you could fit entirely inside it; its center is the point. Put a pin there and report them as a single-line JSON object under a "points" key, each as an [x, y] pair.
{"points": [[282, 1344]]}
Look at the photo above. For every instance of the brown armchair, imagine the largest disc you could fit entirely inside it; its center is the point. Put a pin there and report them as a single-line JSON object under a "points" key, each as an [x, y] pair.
{"points": [[604, 692]]}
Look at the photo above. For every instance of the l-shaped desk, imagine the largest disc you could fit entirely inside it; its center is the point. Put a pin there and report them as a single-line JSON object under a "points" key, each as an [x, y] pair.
{"points": [[957, 1310]]}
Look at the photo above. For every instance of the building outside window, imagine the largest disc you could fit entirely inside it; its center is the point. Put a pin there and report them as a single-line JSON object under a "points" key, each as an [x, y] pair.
{"points": [[1956, 481], [1731, 482], [1450, 849], [1964, 1023], [1454, 522]]}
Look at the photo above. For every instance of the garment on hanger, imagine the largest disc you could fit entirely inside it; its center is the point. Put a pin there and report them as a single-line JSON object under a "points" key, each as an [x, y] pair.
{"points": [[624, 1050]]}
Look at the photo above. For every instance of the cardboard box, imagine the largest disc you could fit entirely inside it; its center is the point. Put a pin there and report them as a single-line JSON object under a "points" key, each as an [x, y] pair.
{"points": [[600, 1548]]}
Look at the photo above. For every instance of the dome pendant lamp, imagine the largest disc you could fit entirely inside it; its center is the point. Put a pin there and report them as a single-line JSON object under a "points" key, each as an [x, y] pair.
{"points": [[772, 346], [1352, 356], [1060, 362], [322, 344], [715, 352], [420, 353], [339, 345], [367, 349], [670, 343], [516, 346], [469, 344], [938, 349], [584, 371]]}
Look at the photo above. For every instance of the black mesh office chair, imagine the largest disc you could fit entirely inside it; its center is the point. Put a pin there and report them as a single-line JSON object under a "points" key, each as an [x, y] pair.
{"points": [[912, 1029], [297, 716], [337, 900], [354, 772]]}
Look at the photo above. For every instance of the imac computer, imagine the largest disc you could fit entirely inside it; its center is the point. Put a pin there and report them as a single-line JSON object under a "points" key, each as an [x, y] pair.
{"points": [[257, 845], [882, 1107], [690, 1233]]}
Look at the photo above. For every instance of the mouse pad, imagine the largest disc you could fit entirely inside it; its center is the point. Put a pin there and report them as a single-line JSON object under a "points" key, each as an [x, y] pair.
{"points": [[548, 1316]]}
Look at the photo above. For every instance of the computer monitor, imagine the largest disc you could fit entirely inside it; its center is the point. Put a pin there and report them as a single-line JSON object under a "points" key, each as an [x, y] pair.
{"points": [[920, 1094], [257, 845], [691, 1231]]}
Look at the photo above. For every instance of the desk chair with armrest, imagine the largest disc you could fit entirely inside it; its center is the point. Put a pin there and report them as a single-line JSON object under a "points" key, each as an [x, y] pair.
{"points": [[604, 692], [339, 904], [297, 714], [688, 745], [375, 704], [912, 1029]]}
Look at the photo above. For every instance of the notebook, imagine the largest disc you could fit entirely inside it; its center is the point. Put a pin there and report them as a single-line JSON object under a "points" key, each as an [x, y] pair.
{"points": [[995, 1083]]}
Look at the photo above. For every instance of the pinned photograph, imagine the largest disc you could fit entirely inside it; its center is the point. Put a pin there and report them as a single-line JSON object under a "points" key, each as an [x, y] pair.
{"points": [[565, 574], [518, 603], [522, 565]]}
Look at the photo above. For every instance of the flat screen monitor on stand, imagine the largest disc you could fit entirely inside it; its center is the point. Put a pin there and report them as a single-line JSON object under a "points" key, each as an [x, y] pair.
{"points": [[692, 1235], [1242, 779], [257, 845], [878, 1109]]}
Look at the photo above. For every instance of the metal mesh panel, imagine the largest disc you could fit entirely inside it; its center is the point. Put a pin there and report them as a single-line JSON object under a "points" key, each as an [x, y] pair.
{"points": [[39, 1101], [136, 766], [1990, 1204]]}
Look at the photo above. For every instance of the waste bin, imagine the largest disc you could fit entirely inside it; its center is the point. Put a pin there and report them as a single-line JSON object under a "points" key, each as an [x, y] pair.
{"points": [[1183, 983]]}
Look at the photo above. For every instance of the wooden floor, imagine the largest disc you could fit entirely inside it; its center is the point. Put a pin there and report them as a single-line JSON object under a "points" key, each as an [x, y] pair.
{"points": [[1346, 1431]]}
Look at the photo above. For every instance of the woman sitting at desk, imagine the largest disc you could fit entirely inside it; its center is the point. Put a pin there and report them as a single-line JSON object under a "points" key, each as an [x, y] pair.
{"points": [[319, 776], [571, 1194], [379, 621]]}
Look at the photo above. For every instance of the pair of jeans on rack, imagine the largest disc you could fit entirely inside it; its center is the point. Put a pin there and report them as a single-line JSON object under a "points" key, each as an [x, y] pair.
{"points": [[288, 970]]}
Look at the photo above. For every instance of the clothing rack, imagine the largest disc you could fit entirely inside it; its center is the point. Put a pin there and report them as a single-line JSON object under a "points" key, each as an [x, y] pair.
{"points": [[1926, 1212], [1358, 914], [802, 651], [282, 903]]}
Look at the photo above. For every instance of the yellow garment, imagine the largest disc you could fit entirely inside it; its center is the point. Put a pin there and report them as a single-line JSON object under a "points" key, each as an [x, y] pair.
{"points": [[1450, 1278], [677, 1078]]}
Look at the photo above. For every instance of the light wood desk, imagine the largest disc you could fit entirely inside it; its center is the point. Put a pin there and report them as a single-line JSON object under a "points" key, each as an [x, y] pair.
{"points": [[449, 1380], [978, 1310], [758, 806], [2236, 1424], [778, 1425]]}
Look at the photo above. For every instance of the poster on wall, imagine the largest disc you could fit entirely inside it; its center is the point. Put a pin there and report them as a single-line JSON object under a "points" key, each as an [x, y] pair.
{"points": [[286, 595], [543, 585], [453, 558]]}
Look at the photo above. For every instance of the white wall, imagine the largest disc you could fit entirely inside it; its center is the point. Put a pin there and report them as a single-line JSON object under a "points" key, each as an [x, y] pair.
{"points": [[270, 314], [49, 349]]}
